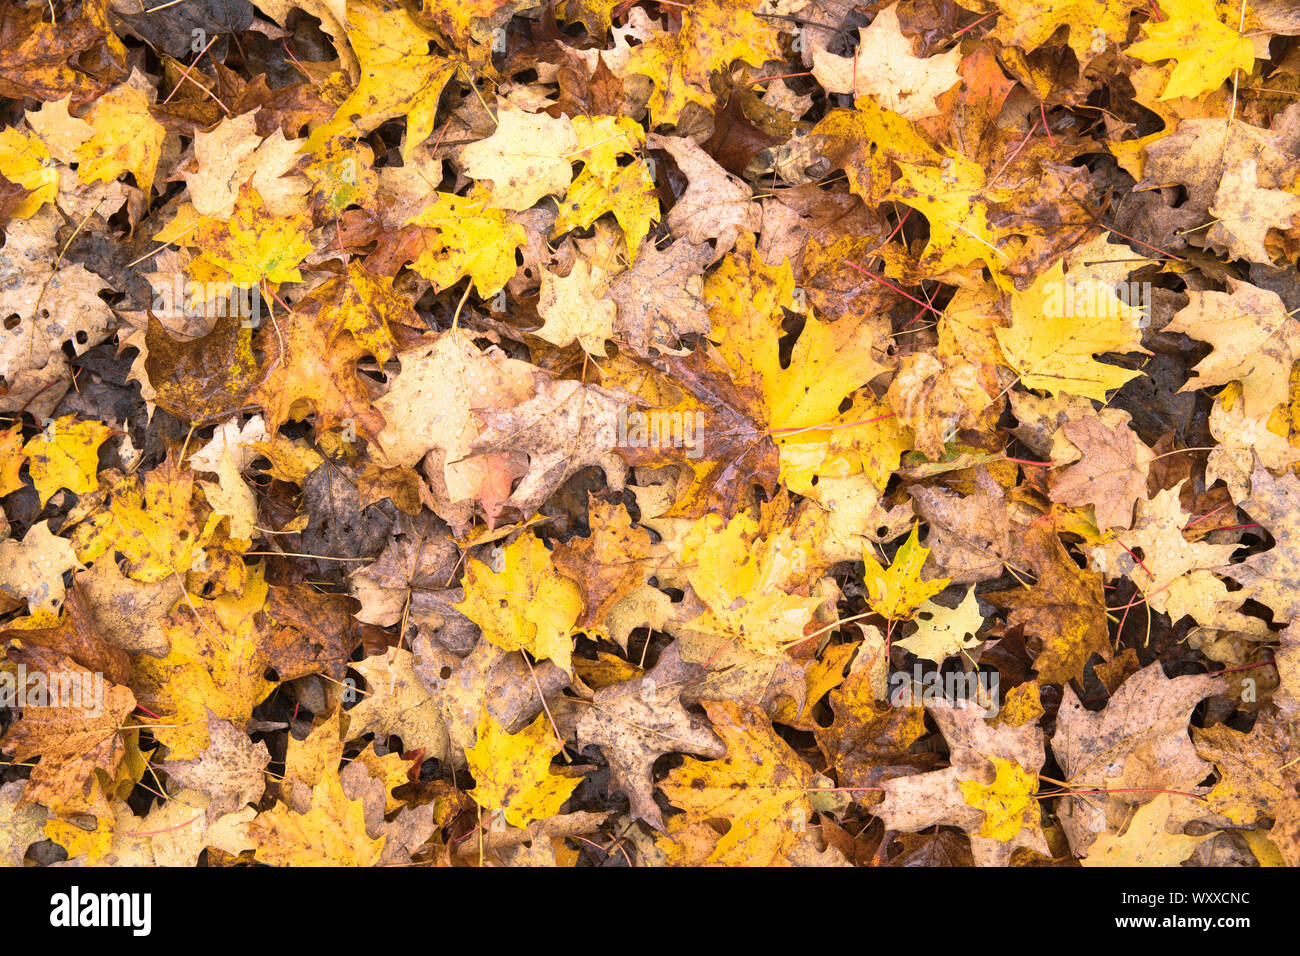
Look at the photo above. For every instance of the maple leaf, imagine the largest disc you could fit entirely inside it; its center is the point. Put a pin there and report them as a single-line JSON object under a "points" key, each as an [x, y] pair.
{"points": [[53, 303], [312, 372], [867, 742], [1052, 348], [465, 237], [75, 742], [935, 401], [942, 631], [1177, 576], [659, 298], [40, 54], [1195, 155], [230, 770], [637, 721], [512, 771], [865, 140], [525, 605], [331, 833], [233, 154], [563, 427], [610, 563], [988, 791], [529, 156], [898, 590], [126, 139], [1245, 213], [715, 205], [1146, 840], [1064, 608], [21, 824], [574, 309], [735, 452], [1255, 341], [713, 33], [398, 77], [216, 665], [883, 65], [1272, 573], [970, 538], [25, 161], [742, 577], [431, 401], [204, 378], [1253, 771], [1138, 741], [1028, 24], [759, 787], [1205, 49], [365, 305], [399, 704], [33, 569], [11, 459], [309, 632], [65, 456], [712, 302], [418, 562], [251, 246], [1111, 475], [129, 613], [603, 186], [151, 522]]}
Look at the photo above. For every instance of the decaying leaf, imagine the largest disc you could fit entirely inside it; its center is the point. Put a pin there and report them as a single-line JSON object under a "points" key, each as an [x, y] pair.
{"points": [[609, 433]]}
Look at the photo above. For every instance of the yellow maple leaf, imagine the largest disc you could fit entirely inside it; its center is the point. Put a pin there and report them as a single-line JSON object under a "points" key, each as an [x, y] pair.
{"points": [[66, 455], [1093, 24], [574, 308], [512, 771], [11, 458], [467, 238], [1207, 51], [1009, 803], [942, 631], [127, 139], [527, 605], [150, 522], [398, 704], [216, 664], [760, 787], [24, 160], [331, 833], [1056, 329], [896, 591], [363, 303], [743, 579], [455, 18], [1146, 839], [865, 140], [748, 297], [528, 157], [342, 175], [603, 186], [399, 77], [953, 197], [628, 194], [252, 245], [713, 34]]}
